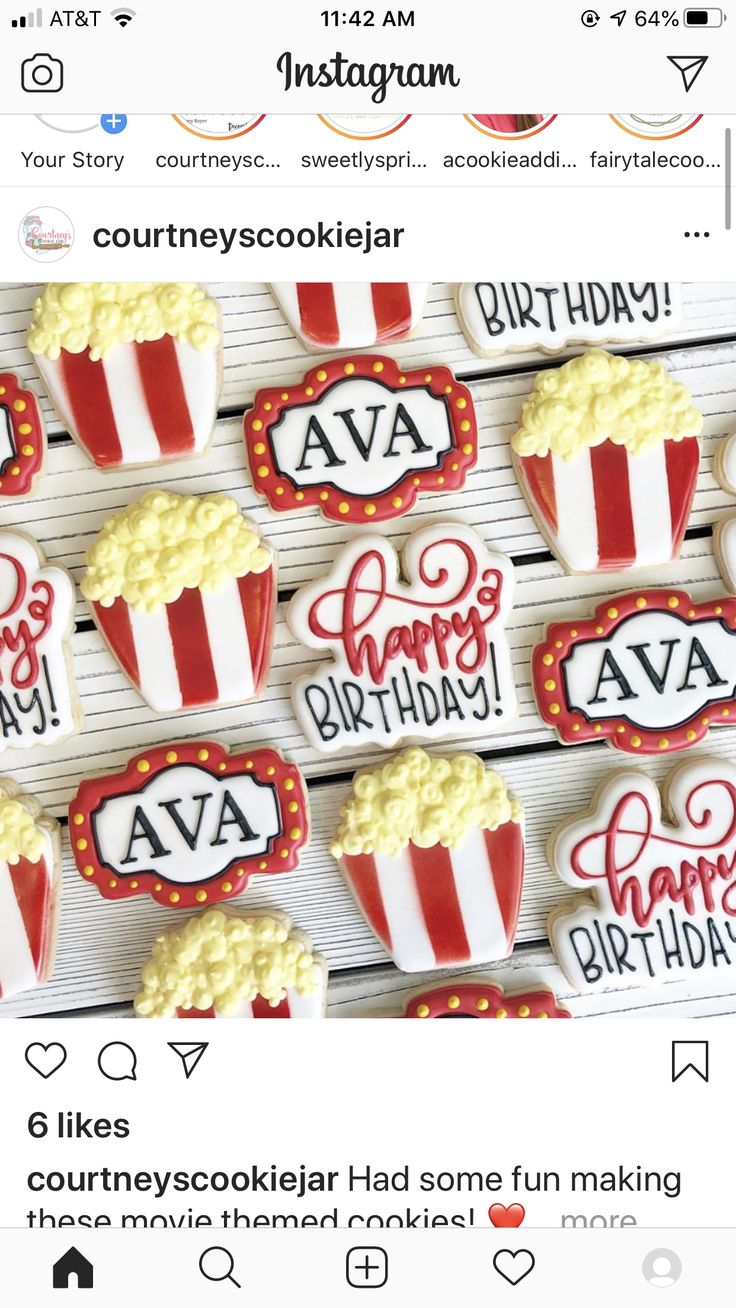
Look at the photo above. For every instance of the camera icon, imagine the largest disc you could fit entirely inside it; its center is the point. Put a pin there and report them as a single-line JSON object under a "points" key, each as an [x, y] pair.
{"points": [[42, 72]]}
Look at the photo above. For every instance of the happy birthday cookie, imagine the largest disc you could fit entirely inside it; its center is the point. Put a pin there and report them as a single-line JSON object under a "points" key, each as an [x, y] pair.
{"points": [[38, 695], [422, 655], [658, 879], [30, 886], [501, 316], [432, 848], [183, 590], [351, 315], [360, 438], [228, 965], [607, 456], [22, 439], [133, 369], [481, 998], [650, 673], [189, 823]]}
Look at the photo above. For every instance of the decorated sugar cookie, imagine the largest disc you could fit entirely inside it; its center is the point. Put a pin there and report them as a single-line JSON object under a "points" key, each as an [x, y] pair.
{"points": [[501, 316], [38, 696], [360, 437], [30, 885], [189, 823], [22, 439], [607, 456], [351, 315], [480, 998], [422, 658], [184, 592], [650, 673], [433, 850], [659, 880], [724, 536], [227, 965], [132, 368]]}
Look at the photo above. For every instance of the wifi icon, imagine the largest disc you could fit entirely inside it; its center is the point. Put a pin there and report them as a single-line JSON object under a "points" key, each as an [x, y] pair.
{"points": [[122, 16]]}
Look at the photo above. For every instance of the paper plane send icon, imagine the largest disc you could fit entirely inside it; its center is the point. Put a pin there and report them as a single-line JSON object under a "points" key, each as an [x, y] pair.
{"points": [[689, 67], [190, 1053]]}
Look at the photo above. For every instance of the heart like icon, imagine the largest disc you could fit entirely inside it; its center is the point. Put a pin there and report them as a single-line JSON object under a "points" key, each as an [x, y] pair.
{"points": [[514, 1264], [500, 1215], [45, 1059]]}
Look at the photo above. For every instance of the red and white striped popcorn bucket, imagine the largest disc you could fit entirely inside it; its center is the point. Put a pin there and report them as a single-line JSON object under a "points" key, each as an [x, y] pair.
{"points": [[437, 907], [207, 647], [147, 402], [351, 315], [28, 912], [294, 1005], [606, 509]]}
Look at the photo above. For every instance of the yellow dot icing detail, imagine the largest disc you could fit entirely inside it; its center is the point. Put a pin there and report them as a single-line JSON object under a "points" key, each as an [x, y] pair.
{"points": [[397, 502], [600, 396], [203, 755], [88, 870], [171, 756], [321, 375], [174, 897], [20, 837], [612, 612], [467, 447], [82, 844], [143, 765], [641, 602], [501, 1013], [201, 896], [343, 506], [295, 833], [482, 1005], [453, 1002], [78, 819], [423, 1010], [27, 450], [691, 735], [550, 684], [289, 783], [25, 428], [548, 660], [554, 708], [227, 887], [259, 447], [524, 1010], [378, 366], [349, 369], [369, 510], [75, 316], [664, 743], [635, 741], [424, 800], [152, 551], [20, 406], [673, 602]]}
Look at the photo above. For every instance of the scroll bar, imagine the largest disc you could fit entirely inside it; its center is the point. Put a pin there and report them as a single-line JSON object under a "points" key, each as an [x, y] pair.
{"points": [[727, 175]]}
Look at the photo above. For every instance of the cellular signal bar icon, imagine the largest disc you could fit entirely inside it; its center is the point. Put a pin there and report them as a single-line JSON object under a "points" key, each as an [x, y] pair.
{"points": [[29, 20]]}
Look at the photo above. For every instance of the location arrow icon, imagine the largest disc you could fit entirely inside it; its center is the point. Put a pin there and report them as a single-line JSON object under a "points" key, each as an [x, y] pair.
{"points": [[689, 67], [190, 1053]]}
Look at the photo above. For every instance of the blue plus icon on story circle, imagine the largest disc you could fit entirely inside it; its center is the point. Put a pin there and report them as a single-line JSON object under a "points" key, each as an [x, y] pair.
{"points": [[114, 124]]}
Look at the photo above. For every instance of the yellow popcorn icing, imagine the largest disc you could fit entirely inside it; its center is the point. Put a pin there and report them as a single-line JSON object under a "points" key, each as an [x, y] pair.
{"points": [[19, 835], [599, 397], [423, 799], [218, 961], [166, 543], [100, 315]]}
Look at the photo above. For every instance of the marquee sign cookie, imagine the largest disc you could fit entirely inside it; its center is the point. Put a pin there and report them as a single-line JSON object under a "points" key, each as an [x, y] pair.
{"points": [[30, 885], [189, 823], [132, 368], [351, 315], [479, 998], [500, 316], [22, 439], [360, 437], [660, 886], [433, 851], [227, 965], [183, 590], [423, 657], [650, 673], [607, 456], [38, 697]]}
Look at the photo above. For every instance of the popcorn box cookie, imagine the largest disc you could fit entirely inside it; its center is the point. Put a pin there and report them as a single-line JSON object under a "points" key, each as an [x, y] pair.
{"points": [[433, 851], [183, 590], [607, 456], [351, 315], [226, 965], [30, 886], [132, 368]]}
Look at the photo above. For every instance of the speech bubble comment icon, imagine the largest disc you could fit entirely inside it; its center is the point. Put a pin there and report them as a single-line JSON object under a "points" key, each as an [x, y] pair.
{"points": [[117, 1061]]}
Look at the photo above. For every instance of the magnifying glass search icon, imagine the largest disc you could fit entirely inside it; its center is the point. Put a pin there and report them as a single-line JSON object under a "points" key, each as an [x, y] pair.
{"points": [[218, 1264]]}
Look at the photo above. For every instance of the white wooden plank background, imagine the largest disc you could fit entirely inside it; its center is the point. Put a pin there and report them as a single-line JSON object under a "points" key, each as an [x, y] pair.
{"points": [[102, 945]]}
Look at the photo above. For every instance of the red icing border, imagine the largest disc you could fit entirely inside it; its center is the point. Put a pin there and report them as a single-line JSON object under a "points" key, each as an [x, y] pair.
{"points": [[573, 727], [283, 496], [266, 765], [478, 999], [14, 483]]}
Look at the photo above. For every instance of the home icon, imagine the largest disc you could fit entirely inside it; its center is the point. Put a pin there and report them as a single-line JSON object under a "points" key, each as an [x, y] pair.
{"points": [[73, 1266]]}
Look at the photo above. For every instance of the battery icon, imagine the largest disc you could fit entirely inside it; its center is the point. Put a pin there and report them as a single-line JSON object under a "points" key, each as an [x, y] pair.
{"points": [[703, 17]]}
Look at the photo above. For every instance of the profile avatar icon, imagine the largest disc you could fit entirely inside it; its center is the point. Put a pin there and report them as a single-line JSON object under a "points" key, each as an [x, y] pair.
{"points": [[662, 1268]]}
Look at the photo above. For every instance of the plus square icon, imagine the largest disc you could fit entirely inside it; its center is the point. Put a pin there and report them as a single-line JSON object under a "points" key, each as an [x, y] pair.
{"points": [[367, 1267]]}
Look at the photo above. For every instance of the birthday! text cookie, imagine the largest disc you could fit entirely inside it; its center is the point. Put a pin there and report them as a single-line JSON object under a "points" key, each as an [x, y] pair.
{"points": [[351, 315], [421, 658], [30, 886], [189, 823], [607, 456], [360, 438], [660, 886], [183, 590], [432, 848], [22, 439], [650, 673], [477, 997], [132, 368], [228, 965]]}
